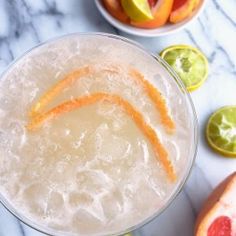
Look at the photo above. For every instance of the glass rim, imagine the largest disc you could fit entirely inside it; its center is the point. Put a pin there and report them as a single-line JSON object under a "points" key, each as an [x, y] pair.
{"points": [[49, 231]]}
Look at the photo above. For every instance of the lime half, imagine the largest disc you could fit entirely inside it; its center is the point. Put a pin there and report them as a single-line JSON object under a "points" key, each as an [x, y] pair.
{"points": [[189, 63], [221, 131], [137, 10]]}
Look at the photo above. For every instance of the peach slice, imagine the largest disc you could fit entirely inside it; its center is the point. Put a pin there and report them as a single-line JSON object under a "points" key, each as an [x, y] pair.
{"points": [[181, 10], [115, 9], [218, 215]]}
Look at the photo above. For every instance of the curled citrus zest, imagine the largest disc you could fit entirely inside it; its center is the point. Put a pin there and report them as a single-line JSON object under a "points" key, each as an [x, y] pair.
{"points": [[55, 90], [68, 106], [69, 79], [157, 98], [153, 93]]}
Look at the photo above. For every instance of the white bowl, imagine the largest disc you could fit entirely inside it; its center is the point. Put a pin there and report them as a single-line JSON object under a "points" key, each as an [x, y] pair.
{"points": [[164, 30]]}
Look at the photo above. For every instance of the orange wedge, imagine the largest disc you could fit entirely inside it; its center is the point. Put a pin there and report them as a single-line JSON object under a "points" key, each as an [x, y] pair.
{"points": [[69, 79], [54, 91], [68, 106], [115, 9], [161, 12], [184, 11]]}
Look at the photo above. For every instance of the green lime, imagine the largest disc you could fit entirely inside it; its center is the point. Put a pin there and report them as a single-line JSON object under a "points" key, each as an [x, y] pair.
{"points": [[189, 63], [221, 131], [137, 10]]}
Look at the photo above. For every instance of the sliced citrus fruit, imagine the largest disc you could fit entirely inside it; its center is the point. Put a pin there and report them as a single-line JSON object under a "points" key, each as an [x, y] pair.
{"points": [[161, 12], [137, 10], [221, 131], [182, 10], [137, 117], [220, 226], [115, 9], [189, 63], [177, 4], [217, 216], [152, 3]]}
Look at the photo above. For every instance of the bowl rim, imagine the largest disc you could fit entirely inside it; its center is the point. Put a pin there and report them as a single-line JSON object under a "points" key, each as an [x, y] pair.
{"points": [[193, 152], [157, 32]]}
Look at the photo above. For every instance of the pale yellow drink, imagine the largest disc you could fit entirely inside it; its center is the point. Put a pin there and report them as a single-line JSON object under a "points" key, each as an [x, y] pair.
{"points": [[90, 171]]}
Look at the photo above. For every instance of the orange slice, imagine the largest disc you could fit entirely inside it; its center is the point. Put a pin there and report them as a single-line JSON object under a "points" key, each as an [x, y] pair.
{"points": [[68, 106], [55, 90]]}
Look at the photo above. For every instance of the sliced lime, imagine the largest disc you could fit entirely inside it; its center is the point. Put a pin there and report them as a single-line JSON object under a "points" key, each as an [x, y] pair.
{"points": [[221, 131], [189, 63], [137, 10]]}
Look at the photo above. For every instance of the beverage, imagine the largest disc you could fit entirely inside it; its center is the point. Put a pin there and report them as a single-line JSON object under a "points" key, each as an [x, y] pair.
{"points": [[90, 152]]}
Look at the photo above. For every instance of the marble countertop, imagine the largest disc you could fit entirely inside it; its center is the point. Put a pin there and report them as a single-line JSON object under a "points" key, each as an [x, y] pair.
{"points": [[25, 23]]}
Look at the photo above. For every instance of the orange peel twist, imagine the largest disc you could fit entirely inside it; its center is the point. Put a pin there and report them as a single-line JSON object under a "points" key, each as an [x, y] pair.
{"points": [[153, 93], [56, 89], [157, 99], [147, 130]]}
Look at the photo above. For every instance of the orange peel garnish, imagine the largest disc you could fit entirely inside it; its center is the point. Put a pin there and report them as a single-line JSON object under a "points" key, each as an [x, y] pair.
{"points": [[157, 99], [153, 93], [55, 90], [68, 106]]}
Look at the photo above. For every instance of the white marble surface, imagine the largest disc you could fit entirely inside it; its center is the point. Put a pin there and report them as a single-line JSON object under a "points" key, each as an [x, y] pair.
{"points": [[25, 23]]}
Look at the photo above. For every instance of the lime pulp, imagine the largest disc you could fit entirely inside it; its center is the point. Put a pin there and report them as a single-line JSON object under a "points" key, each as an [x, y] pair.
{"points": [[221, 131], [189, 63]]}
